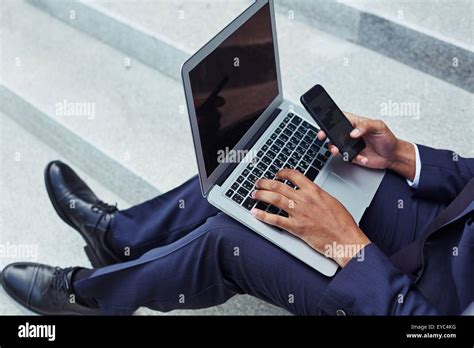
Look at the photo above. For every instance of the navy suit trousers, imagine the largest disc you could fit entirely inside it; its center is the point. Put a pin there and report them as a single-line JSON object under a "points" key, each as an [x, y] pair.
{"points": [[179, 252]]}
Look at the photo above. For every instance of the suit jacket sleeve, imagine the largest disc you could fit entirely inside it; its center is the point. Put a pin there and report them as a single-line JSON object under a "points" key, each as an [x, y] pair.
{"points": [[372, 285], [443, 174]]}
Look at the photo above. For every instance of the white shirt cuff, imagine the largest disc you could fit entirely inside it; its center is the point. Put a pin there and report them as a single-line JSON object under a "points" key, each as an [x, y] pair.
{"points": [[416, 180]]}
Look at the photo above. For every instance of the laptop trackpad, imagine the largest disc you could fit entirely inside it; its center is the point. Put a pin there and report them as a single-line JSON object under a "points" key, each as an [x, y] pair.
{"points": [[346, 193], [338, 188]]}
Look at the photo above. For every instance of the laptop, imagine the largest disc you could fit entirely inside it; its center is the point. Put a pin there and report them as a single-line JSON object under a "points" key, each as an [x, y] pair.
{"points": [[243, 129]]}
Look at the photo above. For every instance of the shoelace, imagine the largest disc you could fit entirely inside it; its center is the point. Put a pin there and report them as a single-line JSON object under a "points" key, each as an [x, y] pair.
{"points": [[60, 284], [100, 206]]}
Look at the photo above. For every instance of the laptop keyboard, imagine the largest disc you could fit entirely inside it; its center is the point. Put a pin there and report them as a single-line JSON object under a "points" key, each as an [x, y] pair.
{"points": [[293, 145]]}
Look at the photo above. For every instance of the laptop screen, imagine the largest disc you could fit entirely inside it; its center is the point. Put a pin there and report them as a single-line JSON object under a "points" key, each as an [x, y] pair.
{"points": [[233, 86]]}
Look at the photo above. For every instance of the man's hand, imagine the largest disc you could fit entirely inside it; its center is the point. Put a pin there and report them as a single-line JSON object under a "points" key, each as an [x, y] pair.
{"points": [[314, 216], [383, 150]]}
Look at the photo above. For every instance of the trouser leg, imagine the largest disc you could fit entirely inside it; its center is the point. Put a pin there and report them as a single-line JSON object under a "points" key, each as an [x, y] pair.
{"points": [[205, 268], [394, 218], [159, 221], [221, 258]]}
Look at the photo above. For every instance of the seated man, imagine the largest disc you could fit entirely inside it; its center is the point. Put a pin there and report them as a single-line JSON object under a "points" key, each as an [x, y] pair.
{"points": [[178, 252]]}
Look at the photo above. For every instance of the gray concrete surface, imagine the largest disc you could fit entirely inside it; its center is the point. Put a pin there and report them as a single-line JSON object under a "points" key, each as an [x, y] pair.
{"points": [[32, 231], [28, 221], [134, 105], [450, 20], [434, 36], [137, 119], [425, 35], [140, 132]]}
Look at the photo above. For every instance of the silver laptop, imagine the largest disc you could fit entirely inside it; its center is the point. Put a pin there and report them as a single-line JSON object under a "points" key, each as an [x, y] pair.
{"points": [[243, 130]]}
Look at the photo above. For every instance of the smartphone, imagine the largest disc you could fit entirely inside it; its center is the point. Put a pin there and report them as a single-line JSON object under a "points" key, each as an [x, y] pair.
{"points": [[332, 121]]}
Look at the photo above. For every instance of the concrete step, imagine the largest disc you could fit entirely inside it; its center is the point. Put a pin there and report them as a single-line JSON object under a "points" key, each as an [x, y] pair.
{"points": [[447, 19], [30, 227], [360, 79], [434, 39], [167, 31], [125, 125], [137, 141], [433, 36]]}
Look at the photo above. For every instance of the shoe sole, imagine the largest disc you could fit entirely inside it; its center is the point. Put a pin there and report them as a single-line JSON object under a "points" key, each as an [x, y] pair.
{"points": [[91, 254]]}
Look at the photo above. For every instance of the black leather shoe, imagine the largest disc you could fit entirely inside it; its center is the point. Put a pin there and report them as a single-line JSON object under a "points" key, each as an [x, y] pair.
{"points": [[43, 289], [80, 208]]}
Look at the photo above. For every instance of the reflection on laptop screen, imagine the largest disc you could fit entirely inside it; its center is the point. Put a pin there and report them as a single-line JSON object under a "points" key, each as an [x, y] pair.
{"points": [[233, 85]]}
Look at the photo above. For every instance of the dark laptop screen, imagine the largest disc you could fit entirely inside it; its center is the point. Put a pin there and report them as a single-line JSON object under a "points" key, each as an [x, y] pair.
{"points": [[233, 85]]}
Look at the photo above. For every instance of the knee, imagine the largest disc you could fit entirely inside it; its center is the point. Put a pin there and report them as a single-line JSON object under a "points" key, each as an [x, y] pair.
{"points": [[226, 230]]}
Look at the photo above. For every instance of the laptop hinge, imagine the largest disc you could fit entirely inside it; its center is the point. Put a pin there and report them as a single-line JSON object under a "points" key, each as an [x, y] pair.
{"points": [[249, 145]]}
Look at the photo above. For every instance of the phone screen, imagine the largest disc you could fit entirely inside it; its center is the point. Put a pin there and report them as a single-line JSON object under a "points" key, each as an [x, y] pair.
{"points": [[328, 115]]}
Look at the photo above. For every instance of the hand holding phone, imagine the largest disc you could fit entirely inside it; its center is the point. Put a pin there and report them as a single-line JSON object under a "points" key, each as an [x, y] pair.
{"points": [[333, 122]]}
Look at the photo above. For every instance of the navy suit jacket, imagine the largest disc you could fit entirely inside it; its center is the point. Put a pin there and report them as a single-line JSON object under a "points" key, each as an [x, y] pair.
{"points": [[432, 276]]}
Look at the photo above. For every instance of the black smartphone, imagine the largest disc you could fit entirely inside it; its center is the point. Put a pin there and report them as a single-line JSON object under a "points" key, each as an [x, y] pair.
{"points": [[332, 121]]}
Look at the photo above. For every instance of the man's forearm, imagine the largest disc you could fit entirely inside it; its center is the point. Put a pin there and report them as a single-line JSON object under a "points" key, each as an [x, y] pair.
{"points": [[404, 160]]}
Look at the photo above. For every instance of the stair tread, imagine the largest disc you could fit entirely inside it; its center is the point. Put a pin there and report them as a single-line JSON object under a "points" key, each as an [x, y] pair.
{"points": [[439, 17], [190, 22], [137, 110], [48, 238]]}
